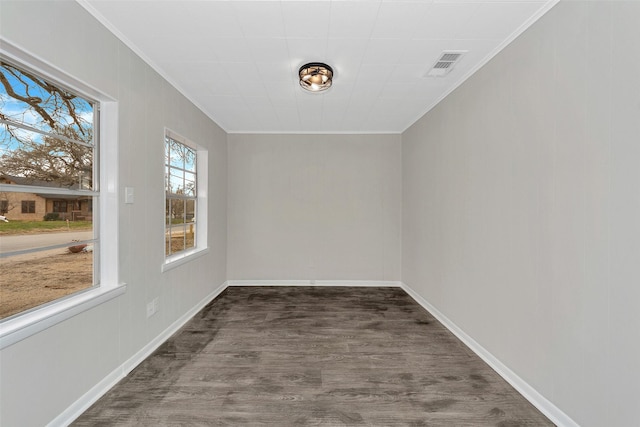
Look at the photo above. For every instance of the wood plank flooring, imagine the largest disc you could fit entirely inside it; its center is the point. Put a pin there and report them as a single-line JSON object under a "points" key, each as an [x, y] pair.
{"points": [[296, 356]]}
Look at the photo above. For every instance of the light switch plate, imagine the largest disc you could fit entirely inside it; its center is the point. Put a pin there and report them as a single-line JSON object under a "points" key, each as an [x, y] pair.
{"points": [[128, 195]]}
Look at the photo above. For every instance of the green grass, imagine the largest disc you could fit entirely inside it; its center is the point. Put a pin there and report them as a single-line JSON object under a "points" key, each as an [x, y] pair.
{"points": [[28, 227], [181, 221]]}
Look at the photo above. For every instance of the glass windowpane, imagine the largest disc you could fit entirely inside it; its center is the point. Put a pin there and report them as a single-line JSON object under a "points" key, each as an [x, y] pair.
{"points": [[176, 154], [190, 236], [167, 242], [190, 217], [190, 209], [189, 188], [45, 161], [37, 278], [190, 160], [52, 110], [167, 213], [177, 211], [176, 182], [177, 238]]}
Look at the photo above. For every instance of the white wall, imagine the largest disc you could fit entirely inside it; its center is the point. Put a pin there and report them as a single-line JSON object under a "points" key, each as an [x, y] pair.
{"points": [[306, 207], [43, 375], [521, 209]]}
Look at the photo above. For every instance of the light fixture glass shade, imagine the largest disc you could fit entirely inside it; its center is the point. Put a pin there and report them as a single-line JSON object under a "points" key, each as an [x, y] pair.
{"points": [[315, 76]]}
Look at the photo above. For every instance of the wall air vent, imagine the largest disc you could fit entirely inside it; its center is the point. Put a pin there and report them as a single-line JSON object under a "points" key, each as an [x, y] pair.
{"points": [[445, 64]]}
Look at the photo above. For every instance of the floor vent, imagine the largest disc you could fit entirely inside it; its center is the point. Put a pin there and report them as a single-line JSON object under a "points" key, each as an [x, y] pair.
{"points": [[445, 64]]}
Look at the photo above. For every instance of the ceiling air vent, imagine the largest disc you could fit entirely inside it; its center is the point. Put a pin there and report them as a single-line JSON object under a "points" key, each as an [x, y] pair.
{"points": [[446, 62]]}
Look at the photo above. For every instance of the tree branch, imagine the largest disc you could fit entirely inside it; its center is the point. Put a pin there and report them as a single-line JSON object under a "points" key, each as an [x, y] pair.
{"points": [[32, 101]]}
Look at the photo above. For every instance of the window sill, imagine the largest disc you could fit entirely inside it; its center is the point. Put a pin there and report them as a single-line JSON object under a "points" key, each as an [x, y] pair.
{"points": [[179, 259], [21, 327]]}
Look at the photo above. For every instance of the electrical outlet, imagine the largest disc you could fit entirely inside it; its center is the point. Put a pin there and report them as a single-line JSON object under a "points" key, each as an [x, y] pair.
{"points": [[153, 306], [151, 309]]}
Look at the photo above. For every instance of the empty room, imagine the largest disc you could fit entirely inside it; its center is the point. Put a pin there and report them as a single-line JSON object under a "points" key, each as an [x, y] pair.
{"points": [[320, 212]]}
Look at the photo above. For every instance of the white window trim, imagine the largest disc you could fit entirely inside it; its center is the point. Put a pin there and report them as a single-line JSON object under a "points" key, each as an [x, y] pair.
{"points": [[202, 171], [34, 321]]}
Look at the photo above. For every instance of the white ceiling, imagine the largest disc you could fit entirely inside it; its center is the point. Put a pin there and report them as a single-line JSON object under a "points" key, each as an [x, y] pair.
{"points": [[238, 60]]}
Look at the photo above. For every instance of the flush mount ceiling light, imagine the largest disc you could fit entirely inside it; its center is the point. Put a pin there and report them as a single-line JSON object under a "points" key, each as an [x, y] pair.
{"points": [[315, 76]]}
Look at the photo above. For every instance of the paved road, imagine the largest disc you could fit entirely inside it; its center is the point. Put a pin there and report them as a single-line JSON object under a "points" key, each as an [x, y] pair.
{"points": [[29, 241]]}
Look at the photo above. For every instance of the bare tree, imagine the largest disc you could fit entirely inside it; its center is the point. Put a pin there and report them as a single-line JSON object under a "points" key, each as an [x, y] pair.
{"points": [[7, 202], [56, 155], [52, 160], [177, 210]]}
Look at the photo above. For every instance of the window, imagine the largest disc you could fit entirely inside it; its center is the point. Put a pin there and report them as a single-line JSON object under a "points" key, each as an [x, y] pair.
{"points": [[185, 192], [59, 206], [25, 132], [48, 143], [28, 206]]}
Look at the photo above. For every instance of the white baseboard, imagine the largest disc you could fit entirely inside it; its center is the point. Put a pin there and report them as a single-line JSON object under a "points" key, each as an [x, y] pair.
{"points": [[97, 391], [89, 398], [355, 283], [551, 411]]}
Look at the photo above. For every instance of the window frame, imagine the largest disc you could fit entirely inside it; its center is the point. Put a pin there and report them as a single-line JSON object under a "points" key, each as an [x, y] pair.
{"points": [[28, 206], [201, 244], [23, 325], [56, 206]]}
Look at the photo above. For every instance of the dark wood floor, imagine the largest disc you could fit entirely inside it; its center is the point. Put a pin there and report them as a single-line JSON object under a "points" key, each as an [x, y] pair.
{"points": [[290, 356]]}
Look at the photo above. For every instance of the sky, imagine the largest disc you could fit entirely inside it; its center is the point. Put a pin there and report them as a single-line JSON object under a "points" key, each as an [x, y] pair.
{"points": [[21, 112]]}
